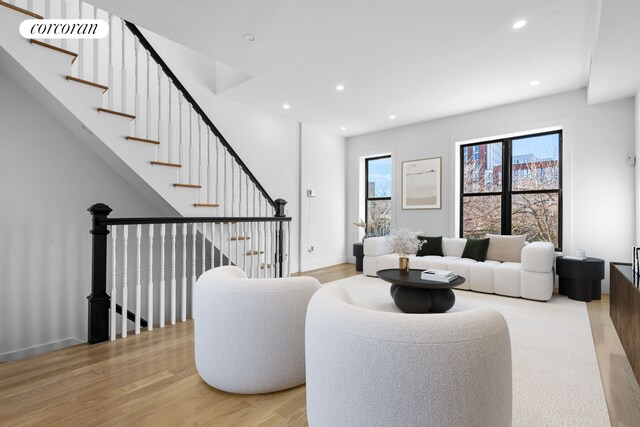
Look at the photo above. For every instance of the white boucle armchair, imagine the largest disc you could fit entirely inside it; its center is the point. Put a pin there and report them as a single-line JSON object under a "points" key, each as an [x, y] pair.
{"points": [[373, 368], [249, 333]]}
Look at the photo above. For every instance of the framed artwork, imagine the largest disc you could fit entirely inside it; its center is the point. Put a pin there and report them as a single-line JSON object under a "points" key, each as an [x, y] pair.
{"points": [[422, 183]]}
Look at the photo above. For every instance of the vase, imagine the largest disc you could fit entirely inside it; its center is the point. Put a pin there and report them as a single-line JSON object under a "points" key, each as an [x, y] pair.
{"points": [[404, 264]]}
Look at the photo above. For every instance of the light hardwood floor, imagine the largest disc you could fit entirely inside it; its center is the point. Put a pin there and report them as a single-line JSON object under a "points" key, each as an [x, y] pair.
{"points": [[150, 379]]}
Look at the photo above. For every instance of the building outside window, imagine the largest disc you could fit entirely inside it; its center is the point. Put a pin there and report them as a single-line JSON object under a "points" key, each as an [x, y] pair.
{"points": [[378, 195], [519, 191]]}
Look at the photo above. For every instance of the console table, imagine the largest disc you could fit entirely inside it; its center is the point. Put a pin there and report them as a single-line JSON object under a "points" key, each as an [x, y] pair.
{"points": [[624, 309]]}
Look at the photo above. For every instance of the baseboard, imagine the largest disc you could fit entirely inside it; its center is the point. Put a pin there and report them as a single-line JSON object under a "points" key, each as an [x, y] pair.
{"points": [[351, 259], [39, 349], [314, 265]]}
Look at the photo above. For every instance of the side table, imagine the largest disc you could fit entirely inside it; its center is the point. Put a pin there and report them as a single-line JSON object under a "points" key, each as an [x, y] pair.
{"points": [[358, 252], [580, 279]]}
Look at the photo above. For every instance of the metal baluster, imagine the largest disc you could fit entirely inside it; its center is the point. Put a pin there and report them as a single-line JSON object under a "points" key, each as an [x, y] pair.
{"points": [[136, 46], [96, 51], [221, 247], [125, 288], [208, 166], [259, 247], [204, 249], [199, 151], [80, 60], [159, 108], [123, 83], [193, 271], [170, 138], [63, 15], [180, 179], [213, 248], [111, 71], [138, 281], [217, 170], [150, 284], [114, 232], [173, 274], [183, 302], [190, 143], [148, 103], [162, 284], [274, 251], [224, 188]]}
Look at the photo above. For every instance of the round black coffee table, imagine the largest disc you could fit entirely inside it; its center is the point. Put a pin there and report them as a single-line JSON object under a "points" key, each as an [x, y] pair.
{"points": [[414, 295]]}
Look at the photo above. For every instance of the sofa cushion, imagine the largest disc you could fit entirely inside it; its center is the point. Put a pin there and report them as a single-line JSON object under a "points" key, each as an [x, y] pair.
{"points": [[506, 279], [481, 276], [505, 248], [431, 246], [442, 262], [476, 249], [453, 246]]}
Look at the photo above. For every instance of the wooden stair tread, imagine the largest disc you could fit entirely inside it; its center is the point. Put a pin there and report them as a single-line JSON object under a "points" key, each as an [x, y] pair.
{"points": [[187, 185], [21, 10], [254, 252], [88, 83], [172, 165], [148, 141], [56, 48], [117, 113], [206, 205], [239, 238]]}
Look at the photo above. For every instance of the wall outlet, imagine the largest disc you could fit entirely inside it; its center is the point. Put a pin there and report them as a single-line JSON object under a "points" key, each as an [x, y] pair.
{"points": [[311, 249], [311, 193]]}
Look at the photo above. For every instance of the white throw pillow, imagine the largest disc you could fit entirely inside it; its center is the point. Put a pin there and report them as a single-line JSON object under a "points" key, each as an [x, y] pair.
{"points": [[505, 248]]}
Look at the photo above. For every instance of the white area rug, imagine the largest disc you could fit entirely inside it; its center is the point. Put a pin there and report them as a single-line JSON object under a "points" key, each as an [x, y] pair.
{"points": [[556, 380]]}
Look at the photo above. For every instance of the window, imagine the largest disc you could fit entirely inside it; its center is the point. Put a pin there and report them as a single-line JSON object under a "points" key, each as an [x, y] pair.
{"points": [[521, 192], [378, 195]]}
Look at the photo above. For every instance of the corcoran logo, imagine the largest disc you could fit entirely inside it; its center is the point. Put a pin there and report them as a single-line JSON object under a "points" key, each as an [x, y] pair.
{"points": [[64, 29]]}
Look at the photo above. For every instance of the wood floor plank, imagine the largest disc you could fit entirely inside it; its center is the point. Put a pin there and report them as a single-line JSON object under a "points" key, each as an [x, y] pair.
{"points": [[150, 380]]}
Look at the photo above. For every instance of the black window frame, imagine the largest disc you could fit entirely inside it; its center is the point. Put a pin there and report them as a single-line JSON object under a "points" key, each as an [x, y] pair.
{"points": [[507, 192], [366, 190]]}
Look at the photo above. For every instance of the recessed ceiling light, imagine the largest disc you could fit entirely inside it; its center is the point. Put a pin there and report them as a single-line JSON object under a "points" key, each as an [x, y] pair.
{"points": [[391, 117], [286, 106], [343, 128], [519, 24], [535, 83], [340, 88], [249, 37]]}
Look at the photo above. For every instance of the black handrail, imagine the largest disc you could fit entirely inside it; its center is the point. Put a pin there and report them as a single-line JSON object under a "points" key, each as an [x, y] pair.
{"points": [[188, 220], [156, 57]]}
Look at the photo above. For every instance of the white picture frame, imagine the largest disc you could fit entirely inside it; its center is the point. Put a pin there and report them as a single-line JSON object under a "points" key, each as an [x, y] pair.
{"points": [[422, 183]]}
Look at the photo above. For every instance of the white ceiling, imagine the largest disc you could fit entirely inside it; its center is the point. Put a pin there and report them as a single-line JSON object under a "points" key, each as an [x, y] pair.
{"points": [[416, 59]]}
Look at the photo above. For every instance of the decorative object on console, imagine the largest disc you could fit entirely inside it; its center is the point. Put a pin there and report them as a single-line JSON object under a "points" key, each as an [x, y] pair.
{"points": [[422, 183], [432, 246], [404, 241], [476, 249]]}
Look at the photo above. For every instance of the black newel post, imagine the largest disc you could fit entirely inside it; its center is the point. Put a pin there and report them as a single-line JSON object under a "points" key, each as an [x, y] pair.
{"points": [[99, 300], [280, 203]]}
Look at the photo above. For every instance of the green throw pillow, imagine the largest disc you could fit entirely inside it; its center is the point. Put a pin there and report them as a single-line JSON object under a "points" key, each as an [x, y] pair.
{"points": [[476, 249], [432, 246]]}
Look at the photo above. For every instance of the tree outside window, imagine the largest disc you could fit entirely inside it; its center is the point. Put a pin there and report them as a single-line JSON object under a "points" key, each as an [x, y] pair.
{"points": [[519, 189]]}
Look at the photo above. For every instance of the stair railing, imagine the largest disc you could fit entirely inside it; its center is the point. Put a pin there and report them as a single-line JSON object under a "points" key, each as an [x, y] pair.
{"points": [[177, 251]]}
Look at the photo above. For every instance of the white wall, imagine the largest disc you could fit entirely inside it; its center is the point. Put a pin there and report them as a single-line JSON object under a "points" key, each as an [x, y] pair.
{"points": [[599, 207], [323, 165], [48, 179]]}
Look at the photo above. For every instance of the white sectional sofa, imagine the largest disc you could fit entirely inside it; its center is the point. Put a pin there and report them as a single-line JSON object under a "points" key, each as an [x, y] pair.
{"points": [[532, 278]]}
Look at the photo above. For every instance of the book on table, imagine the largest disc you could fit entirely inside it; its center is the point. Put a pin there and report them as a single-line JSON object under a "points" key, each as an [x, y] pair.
{"points": [[444, 276]]}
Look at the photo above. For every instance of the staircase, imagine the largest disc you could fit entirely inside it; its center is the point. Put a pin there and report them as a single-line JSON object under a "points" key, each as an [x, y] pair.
{"points": [[120, 98]]}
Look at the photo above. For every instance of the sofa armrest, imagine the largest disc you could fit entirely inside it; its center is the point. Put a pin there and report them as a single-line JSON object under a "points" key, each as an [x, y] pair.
{"points": [[538, 257], [376, 246]]}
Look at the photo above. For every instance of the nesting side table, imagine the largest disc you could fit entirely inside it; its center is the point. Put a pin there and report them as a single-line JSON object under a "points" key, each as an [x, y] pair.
{"points": [[580, 279]]}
